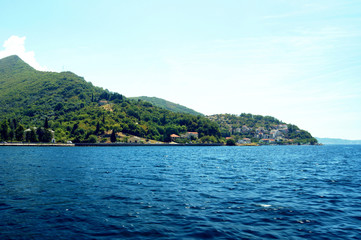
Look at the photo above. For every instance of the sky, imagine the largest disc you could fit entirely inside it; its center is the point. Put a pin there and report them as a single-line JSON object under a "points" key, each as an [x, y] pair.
{"points": [[298, 61]]}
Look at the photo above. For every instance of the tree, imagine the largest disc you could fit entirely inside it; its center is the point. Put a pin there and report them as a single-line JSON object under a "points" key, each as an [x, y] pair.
{"points": [[75, 127], [46, 124], [313, 141], [40, 133], [113, 137], [19, 133], [30, 135], [231, 142], [93, 139], [58, 107], [47, 136], [4, 131], [14, 124], [97, 128]]}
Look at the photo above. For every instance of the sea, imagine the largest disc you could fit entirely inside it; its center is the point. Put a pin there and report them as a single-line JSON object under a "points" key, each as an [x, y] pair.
{"points": [[171, 192]]}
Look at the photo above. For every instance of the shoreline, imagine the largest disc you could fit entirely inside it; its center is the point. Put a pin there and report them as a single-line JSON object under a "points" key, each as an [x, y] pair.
{"points": [[103, 145], [18, 144]]}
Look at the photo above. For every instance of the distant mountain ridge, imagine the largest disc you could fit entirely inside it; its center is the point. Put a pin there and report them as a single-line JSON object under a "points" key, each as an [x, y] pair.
{"points": [[335, 141], [162, 103]]}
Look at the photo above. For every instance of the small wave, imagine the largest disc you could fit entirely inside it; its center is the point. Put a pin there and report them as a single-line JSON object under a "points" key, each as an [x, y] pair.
{"points": [[4, 206], [264, 205], [114, 197], [205, 195]]}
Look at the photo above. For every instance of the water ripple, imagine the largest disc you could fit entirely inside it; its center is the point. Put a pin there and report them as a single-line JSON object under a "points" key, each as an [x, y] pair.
{"points": [[293, 192]]}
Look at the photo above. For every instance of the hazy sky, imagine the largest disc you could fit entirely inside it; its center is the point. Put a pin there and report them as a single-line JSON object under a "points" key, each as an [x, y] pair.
{"points": [[299, 61]]}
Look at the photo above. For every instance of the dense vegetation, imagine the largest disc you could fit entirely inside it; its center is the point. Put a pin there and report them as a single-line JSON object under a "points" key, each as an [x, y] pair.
{"points": [[174, 107], [78, 111], [256, 127]]}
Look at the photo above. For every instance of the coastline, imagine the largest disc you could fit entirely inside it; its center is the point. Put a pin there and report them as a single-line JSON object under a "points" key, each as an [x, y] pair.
{"points": [[36, 145], [102, 145], [131, 145]]}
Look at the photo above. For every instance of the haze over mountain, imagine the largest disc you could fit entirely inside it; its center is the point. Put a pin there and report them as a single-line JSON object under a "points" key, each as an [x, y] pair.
{"points": [[337, 141]]}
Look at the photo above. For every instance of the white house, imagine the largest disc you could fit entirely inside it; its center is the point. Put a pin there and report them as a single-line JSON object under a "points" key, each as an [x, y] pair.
{"points": [[244, 141], [134, 139], [189, 135]]}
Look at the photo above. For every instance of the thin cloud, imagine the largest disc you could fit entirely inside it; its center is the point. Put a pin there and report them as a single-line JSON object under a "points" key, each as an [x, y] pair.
{"points": [[15, 45]]}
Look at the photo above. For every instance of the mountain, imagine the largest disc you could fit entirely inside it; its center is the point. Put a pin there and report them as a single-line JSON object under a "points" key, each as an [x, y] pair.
{"points": [[174, 107], [30, 94], [334, 141], [263, 129], [78, 111]]}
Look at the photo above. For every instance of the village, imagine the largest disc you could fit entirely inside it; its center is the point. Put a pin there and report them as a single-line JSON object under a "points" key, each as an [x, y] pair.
{"points": [[276, 135], [257, 136], [248, 129]]}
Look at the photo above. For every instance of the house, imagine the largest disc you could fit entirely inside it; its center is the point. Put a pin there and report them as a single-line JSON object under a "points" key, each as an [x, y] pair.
{"points": [[174, 137], [267, 136], [260, 130], [245, 128], [279, 139], [41, 134], [190, 135], [283, 130], [52, 136], [237, 130], [244, 141], [103, 102], [134, 139], [276, 133], [259, 135], [282, 126], [267, 141]]}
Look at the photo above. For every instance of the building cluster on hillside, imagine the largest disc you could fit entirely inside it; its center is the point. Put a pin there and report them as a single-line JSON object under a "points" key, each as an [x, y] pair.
{"points": [[270, 134], [276, 134]]}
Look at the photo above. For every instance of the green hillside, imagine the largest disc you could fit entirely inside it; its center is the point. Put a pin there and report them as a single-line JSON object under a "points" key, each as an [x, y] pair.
{"points": [[78, 111], [261, 129], [174, 107]]}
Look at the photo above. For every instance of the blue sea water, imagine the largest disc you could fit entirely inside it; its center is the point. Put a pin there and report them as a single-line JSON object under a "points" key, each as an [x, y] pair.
{"points": [[271, 192]]}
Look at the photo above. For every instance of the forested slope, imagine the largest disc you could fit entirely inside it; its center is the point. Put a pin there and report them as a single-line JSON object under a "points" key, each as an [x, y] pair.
{"points": [[78, 111], [174, 107]]}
